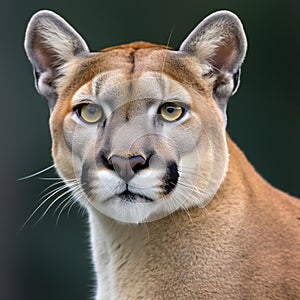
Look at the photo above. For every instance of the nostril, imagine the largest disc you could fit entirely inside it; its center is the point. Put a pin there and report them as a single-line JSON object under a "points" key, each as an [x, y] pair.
{"points": [[137, 163], [106, 162]]}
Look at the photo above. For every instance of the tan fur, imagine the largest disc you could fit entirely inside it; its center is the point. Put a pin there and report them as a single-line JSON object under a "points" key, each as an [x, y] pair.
{"points": [[223, 232], [243, 245]]}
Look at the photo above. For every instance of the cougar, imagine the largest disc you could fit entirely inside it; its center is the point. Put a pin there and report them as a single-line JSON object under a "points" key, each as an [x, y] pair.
{"points": [[175, 209]]}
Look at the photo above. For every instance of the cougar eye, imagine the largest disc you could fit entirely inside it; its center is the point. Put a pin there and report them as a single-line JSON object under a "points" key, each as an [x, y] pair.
{"points": [[171, 112], [89, 113]]}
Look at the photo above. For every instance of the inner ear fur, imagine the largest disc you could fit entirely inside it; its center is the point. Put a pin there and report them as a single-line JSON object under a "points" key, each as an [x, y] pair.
{"points": [[220, 43], [50, 42]]}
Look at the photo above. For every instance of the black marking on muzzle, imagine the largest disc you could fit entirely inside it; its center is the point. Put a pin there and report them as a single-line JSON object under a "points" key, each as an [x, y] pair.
{"points": [[85, 180], [171, 177]]}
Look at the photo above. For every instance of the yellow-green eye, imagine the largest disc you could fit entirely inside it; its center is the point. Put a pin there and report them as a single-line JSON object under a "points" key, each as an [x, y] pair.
{"points": [[90, 113], [171, 112]]}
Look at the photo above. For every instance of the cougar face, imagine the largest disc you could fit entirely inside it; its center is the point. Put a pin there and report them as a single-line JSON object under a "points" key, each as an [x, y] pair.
{"points": [[138, 130], [136, 141]]}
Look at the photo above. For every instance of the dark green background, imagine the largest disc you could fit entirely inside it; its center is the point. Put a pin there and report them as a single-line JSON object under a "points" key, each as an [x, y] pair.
{"points": [[48, 261]]}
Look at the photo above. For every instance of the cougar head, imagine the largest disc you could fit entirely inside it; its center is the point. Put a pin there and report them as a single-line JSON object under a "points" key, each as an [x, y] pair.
{"points": [[138, 130]]}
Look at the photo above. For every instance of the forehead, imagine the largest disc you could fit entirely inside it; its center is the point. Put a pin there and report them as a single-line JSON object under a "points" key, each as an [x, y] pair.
{"points": [[112, 86], [132, 71]]}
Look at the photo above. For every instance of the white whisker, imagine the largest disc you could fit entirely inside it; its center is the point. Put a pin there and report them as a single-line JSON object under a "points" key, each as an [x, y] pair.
{"points": [[36, 173], [64, 189], [61, 185], [51, 178], [65, 204], [34, 212], [182, 204], [54, 191], [51, 204], [62, 203]]}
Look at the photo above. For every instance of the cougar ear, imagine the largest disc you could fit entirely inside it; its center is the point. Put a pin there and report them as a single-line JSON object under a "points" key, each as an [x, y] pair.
{"points": [[50, 42], [220, 43]]}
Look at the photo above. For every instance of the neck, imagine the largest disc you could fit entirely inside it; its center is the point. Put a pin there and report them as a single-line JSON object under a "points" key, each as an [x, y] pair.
{"points": [[135, 259]]}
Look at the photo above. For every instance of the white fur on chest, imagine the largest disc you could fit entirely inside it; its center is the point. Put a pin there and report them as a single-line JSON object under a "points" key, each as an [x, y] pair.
{"points": [[102, 257], [106, 238]]}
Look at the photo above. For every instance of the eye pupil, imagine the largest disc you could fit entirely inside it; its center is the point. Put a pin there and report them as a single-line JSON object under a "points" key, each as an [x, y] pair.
{"points": [[92, 110], [170, 109]]}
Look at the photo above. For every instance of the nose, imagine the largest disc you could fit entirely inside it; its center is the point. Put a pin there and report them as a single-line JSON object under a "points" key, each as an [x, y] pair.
{"points": [[127, 167]]}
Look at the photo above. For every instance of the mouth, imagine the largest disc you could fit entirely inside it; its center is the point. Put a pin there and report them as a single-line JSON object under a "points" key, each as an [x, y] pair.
{"points": [[133, 197]]}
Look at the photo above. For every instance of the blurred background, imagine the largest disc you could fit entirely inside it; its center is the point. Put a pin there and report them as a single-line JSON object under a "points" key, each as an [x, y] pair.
{"points": [[49, 258]]}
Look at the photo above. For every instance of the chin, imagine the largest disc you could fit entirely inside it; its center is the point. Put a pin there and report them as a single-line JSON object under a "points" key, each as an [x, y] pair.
{"points": [[135, 211]]}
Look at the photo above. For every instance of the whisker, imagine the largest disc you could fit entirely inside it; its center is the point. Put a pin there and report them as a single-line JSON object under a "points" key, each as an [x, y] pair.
{"points": [[62, 203], [33, 213], [45, 198], [54, 191], [51, 204], [182, 204], [65, 204], [168, 43], [51, 178], [70, 200], [36, 173], [203, 207], [186, 210], [60, 188], [193, 190], [168, 204], [170, 36], [190, 186], [71, 206], [186, 171], [58, 179], [78, 195], [50, 187]]}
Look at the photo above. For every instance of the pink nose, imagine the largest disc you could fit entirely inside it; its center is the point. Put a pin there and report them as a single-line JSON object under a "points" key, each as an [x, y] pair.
{"points": [[125, 167]]}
